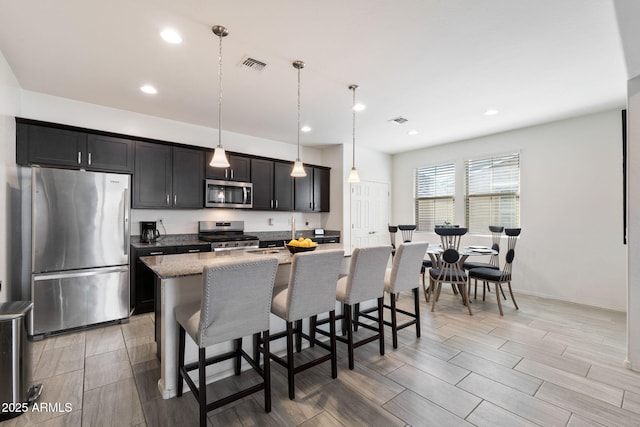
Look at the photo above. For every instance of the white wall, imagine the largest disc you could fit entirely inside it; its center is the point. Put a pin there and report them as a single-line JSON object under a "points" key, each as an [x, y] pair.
{"points": [[9, 107], [61, 110], [571, 205]]}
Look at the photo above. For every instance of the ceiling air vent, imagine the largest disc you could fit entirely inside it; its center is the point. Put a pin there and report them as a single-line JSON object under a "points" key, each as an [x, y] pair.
{"points": [[399, 120], [253, 64]]}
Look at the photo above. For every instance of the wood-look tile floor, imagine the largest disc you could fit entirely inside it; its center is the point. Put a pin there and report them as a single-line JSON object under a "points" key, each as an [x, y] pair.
{"points": [[549, 363]]}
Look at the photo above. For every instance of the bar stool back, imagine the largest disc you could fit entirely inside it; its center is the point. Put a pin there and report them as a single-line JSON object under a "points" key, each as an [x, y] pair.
{"points": [[236, 301]]}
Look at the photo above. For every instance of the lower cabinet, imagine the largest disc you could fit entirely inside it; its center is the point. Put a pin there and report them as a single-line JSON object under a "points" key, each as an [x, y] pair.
{"points": [[142, 286]]}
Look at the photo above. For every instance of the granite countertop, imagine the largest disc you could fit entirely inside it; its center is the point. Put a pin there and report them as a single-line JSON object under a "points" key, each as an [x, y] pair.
{"points": [[168, 240], [180, 265]]}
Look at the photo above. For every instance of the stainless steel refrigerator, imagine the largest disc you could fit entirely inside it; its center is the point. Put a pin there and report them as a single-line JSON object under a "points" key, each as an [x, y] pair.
{"points": [[79, 248]]}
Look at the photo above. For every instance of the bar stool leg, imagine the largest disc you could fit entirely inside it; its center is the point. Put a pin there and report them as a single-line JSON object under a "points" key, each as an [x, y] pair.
{"points": [[298, 331], [416, 299], [266, 370], [290, 373], [238, 358], [334, 355], [381, 324], [347, 321], [313, 320], [202, 386], [356, 316], [181, 338], [394, 321]]}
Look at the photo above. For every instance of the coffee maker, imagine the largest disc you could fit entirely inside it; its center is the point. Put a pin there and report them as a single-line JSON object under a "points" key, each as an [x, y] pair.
{"points": [[148, 232]]}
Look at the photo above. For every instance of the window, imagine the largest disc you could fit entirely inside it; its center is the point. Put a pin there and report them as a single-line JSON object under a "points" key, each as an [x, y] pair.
{"points": [[435, 188], [493, 192]]}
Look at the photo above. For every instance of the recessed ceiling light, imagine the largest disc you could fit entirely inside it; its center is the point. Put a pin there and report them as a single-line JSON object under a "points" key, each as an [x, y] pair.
{"points": [[171, 36], [305, 129], [149, 89], [491, 112], [412, 132], [359, 107]]}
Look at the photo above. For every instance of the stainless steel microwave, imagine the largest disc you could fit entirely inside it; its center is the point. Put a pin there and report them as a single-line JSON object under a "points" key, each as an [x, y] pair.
{"points": [[228, 194]]}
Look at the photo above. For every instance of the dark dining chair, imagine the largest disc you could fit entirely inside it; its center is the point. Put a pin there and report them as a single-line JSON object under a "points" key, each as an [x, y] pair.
{"points": [[407, 232], [450, 238], [393, 229], [491, 275], [494, 261]]}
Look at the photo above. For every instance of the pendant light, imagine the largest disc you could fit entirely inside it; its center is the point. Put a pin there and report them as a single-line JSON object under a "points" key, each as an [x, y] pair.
{"points": [[219, 159], [353, 175], [298, 169]]}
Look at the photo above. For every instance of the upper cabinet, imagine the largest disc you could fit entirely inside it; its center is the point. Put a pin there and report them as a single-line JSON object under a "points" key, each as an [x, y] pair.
{"points": [[239, 169], [312, 191], [272, 185], [168, 177], [51, 146]]}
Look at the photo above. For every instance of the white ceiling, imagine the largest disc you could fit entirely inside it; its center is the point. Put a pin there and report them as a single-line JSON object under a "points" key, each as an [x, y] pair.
{"points": [[438, 63]]}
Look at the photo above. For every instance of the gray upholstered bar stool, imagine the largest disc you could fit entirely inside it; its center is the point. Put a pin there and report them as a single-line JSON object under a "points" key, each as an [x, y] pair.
{"points": [[403, 275], [311, 291], [236, 302], [365, 282]]}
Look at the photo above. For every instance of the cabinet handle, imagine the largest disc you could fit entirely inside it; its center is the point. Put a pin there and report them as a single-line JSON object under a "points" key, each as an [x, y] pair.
{"points": [[156, 253], [271, 204], [193, 250], [225, 173], [167, 200], [89, 159], [276, 203], [310, 205], [79, 157], [231, 173], [175, 199], [271, 245]]}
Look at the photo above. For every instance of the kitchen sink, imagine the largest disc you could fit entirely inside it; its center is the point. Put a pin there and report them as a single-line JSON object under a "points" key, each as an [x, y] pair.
{"points": [[265, 251]]}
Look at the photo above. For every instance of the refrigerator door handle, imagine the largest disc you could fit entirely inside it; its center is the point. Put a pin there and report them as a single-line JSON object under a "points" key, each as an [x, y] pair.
{"points": [[126, 221], [83, 273]]}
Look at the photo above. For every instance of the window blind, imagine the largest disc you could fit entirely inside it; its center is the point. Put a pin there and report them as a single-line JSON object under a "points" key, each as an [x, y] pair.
{"points": [[434, 200], [493, 192]]}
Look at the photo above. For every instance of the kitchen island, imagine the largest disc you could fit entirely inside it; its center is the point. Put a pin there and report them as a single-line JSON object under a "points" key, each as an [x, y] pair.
{"points": [[179, 281]]}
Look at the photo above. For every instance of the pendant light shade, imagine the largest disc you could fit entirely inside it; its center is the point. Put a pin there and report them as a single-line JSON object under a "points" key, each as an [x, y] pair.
{"points": [[219, 159], [298, 168], [353, 175]]}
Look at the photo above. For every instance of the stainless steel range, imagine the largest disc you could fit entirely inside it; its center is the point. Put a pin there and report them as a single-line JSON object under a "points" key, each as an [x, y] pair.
{"points": [[226, 235]]}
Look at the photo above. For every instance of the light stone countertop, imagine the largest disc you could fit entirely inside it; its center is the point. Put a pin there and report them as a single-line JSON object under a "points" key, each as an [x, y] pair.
{"points": [[180, 265]]}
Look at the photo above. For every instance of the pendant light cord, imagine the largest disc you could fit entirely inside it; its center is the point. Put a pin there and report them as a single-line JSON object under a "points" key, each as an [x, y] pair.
{"points": [[220, 93], [353, 111], [298, 114]]}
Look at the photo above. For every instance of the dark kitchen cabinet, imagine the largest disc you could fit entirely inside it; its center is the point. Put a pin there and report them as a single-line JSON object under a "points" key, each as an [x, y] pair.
{"points": [[312, 191], [52, 146], [272, 185], [142, 287], [109, 153], [168, 177], [142, 282], [239, 169], [188, 178]]}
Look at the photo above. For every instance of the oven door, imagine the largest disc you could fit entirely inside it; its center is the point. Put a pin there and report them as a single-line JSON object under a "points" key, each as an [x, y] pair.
{"points": [[228, 194]]}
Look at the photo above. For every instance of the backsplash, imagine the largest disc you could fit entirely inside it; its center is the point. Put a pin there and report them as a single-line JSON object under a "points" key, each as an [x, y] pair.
{"points": [[186, 221]]}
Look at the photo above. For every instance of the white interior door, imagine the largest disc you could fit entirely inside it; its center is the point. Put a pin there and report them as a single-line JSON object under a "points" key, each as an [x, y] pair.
{"points": [[369, 214]]}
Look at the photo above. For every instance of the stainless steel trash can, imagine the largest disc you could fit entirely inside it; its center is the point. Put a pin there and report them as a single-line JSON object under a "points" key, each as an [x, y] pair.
{"points": [[16, 389]]}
